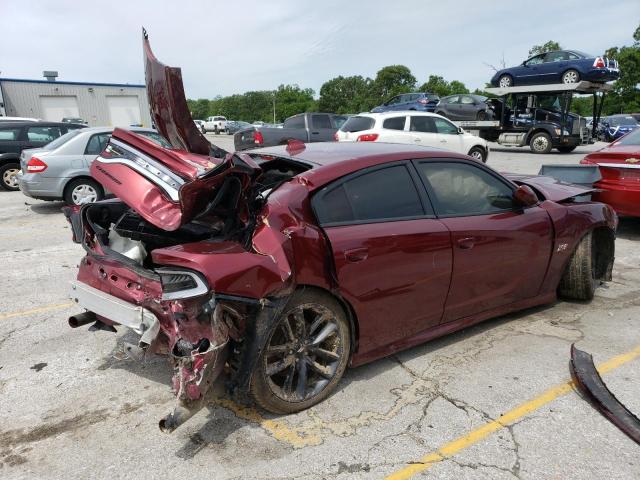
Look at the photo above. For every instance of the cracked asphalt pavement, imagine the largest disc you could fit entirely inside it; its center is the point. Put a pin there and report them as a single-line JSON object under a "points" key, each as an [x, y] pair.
{"points": [[73, 406]]}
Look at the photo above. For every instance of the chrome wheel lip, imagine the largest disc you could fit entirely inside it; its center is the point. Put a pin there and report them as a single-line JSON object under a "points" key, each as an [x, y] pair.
{"points": [[84, 193], [10, 177], [301, 359]]}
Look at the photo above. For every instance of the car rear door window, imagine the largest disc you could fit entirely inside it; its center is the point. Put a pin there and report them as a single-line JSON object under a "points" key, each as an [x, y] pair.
{"points": [[357, 124], [383, 194], [462, 189], [421, 123], [466, 99], [320, 121], [43, 134], [394, 123], [294, 122], [9, 134], [96, 143], [445, 127]]}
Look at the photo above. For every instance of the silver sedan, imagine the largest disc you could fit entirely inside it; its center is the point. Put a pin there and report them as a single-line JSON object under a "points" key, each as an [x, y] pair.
{"points": [[60, 169]]}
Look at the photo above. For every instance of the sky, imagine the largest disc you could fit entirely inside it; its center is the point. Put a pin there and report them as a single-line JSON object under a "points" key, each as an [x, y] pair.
{"points": [[226, 47]]}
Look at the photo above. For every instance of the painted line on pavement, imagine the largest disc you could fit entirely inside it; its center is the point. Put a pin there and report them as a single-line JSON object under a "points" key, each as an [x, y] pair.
{"points": [[46, 308]]}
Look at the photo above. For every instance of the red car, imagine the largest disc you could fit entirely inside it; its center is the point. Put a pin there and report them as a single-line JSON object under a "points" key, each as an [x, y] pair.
{"points": [[619, 165], [288, 264]]}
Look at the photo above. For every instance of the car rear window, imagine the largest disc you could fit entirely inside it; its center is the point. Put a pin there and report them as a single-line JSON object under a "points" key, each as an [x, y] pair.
{"points": [[63, 139], [358, 124]]}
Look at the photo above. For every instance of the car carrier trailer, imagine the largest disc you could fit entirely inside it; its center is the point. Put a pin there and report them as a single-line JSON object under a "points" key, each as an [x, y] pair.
{"points": [[538, 116]]}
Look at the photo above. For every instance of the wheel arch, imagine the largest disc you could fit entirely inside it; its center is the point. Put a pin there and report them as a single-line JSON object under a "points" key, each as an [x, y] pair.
{"points": [[538, 129], [69, 180]]}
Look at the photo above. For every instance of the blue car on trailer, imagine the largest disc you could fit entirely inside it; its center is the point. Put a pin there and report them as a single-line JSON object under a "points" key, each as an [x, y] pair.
{"points": [[418, 101], [560, 66]]}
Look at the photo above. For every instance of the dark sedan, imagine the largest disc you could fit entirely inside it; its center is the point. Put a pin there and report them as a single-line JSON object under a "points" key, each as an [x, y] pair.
{"points": [[464, 107], [561, 66], [234, 126], [420, 102]]}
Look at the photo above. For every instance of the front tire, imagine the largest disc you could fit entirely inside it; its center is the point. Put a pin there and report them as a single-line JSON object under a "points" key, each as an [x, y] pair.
{"points": [[9, 176], [578, 281], [83, 190], [570, 77], [541, 143], [478, 154], [505, 81], [305, 356]]}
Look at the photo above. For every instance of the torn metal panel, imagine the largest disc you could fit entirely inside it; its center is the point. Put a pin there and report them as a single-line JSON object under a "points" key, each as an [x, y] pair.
{"points": [[588, 380]]}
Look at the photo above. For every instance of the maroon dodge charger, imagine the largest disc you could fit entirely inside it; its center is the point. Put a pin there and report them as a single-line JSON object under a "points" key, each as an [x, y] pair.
{"points": [[277, 268]]}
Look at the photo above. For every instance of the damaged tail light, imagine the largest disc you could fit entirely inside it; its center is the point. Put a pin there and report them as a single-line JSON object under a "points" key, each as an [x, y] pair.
{"points": [[367, 137], [599, 63], [178, 284], [258, 139], [36, 165]]}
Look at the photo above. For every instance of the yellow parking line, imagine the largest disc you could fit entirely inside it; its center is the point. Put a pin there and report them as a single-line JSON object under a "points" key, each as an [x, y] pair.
{"points": [[46, 308], [450, 449]]}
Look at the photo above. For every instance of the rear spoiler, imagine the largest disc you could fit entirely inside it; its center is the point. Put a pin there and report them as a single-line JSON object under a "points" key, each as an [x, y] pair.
{"points": [[583, 175]]}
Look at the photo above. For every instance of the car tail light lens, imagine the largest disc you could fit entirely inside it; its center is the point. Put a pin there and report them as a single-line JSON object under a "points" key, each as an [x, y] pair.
{"points": [[35, 165], [423, 101], [599, 63], [335, 136], [258, 138], [367, 137], [181, 284]]}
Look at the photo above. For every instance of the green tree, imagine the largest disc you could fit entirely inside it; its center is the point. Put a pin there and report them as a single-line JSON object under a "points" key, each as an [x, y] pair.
{"points": [[438, 85], [345, 95], [390, 81], [291, 99], [550, 46], [457, 87], [199, 108]]}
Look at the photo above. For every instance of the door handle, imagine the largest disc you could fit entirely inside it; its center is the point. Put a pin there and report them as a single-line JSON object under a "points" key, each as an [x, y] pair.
{"points": [[444, 140], [315, 133], [417, 140], [356, 254], [466, 243]]}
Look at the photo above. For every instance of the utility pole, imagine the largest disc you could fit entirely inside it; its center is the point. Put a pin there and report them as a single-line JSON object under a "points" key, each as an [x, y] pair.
{"points": [[274, 107]]}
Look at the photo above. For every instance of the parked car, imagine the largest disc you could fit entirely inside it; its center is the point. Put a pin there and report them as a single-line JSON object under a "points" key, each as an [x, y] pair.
{"points": [[215, 124], [234, 126], [200, 125], [307, 127], [561, 66], [289, 267], [465, 107], [413, 128], [619, 165], [74, 120], [420, 101], [60, 169], [17, 136], [615, 126]]}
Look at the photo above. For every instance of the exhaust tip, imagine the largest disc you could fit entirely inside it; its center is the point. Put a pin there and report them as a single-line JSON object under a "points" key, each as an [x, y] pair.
{"points": [[81, 319]]}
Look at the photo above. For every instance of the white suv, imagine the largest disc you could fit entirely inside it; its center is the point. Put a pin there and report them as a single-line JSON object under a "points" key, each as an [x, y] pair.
{"points": [[215, 124], [413, 128]]}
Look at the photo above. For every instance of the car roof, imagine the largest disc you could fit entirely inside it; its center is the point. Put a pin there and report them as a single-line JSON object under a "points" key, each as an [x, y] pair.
{"points": [[396, 113], [23, 123], [332, 160]]}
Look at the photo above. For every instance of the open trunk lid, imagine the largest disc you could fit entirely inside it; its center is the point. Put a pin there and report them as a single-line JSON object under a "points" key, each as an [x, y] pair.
{"points": [[552, 188]]}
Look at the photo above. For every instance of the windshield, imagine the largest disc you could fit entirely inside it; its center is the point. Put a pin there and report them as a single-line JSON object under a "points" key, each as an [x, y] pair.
{"points": [[632, 138], [619, 121], [63, 139], [357, 124]]}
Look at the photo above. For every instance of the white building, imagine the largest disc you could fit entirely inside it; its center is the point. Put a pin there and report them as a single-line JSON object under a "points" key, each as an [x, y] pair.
{"points": [[99, 104]]}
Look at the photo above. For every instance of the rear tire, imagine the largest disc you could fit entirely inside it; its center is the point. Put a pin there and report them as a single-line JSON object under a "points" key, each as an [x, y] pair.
{"points": [[310, 341], [481, 115], [578, 281], [570, 76], [540, 143], [83, 190], [566, 149], [8, 176], [479, 154]]}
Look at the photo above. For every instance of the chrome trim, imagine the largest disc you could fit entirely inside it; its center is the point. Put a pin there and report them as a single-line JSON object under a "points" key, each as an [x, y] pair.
{"points": [[139, 319], [617, 165], [150, 160], [201, 287]]}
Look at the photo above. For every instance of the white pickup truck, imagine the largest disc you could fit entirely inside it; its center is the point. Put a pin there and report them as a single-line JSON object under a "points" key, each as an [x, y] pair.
{"points": [[215, 124]]}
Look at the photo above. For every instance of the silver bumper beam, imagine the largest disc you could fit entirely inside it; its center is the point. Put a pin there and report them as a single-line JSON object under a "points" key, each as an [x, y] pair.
{"points": [[139, 319]]}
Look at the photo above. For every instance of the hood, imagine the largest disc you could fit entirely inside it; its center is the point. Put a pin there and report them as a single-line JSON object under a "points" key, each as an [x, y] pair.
{"points": [[552, 189], [168, 105], [170, 187]]}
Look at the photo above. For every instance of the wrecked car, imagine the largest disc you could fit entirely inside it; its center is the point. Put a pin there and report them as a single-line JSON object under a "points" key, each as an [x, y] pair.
{"points": [[275, 269]]}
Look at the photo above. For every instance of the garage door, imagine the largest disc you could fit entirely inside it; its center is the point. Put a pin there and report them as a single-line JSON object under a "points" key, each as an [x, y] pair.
{"points": [[56, 108], [124, 110]]}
